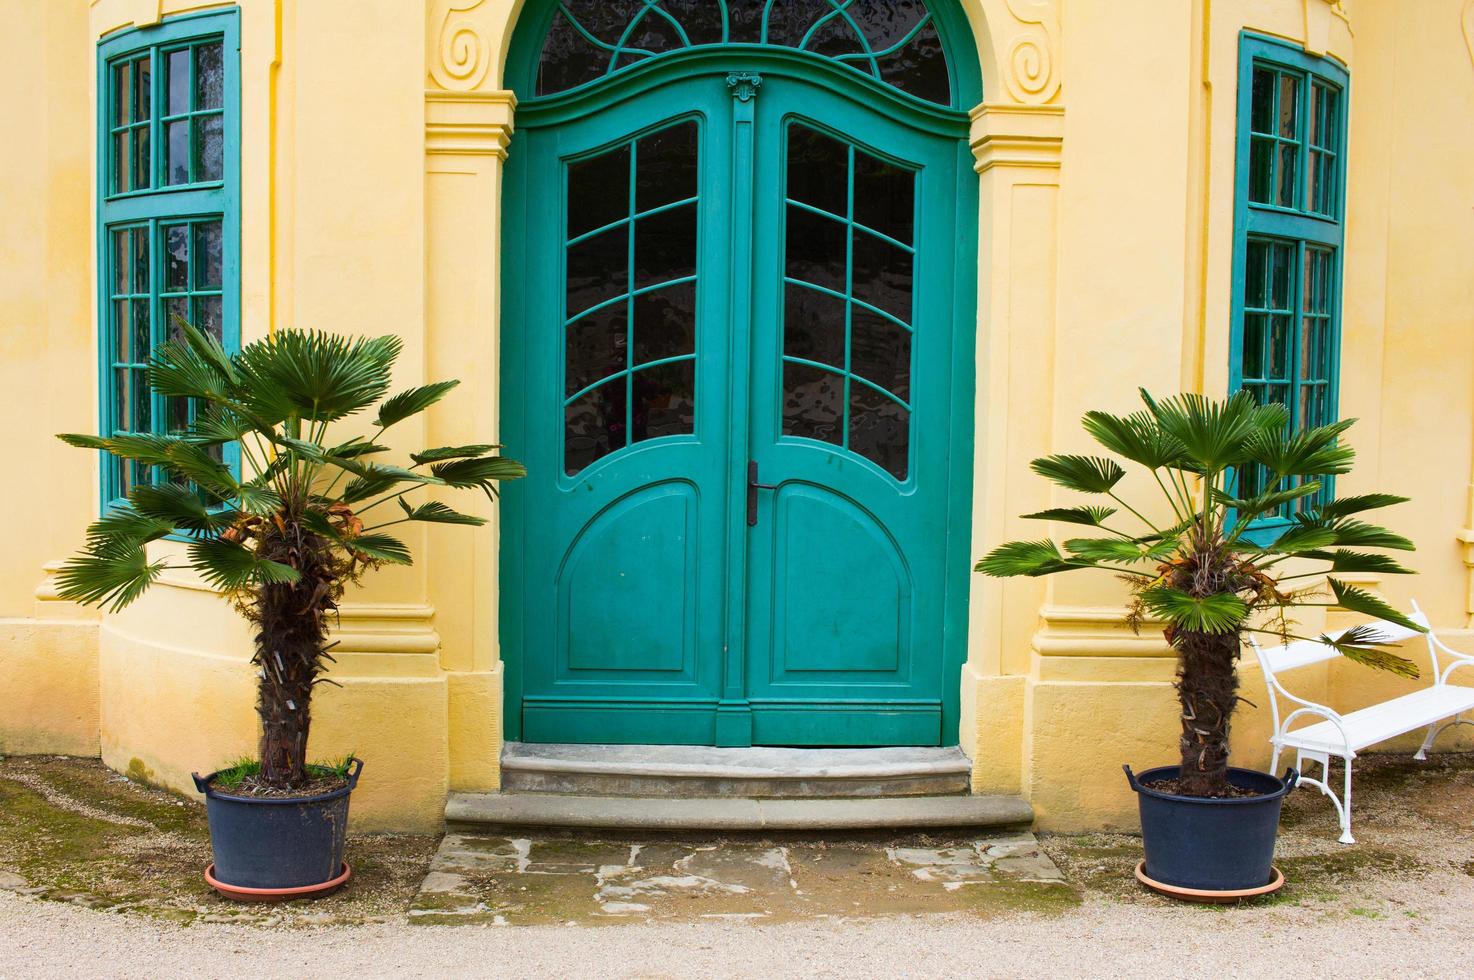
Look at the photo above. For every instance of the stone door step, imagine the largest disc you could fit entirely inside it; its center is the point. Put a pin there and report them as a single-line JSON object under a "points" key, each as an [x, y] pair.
{"points": [[484, 811], [694, 771]]}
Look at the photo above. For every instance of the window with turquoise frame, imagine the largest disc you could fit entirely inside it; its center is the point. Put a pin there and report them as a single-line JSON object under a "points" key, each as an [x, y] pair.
{"points": [[168, 214], [1288, 233]]}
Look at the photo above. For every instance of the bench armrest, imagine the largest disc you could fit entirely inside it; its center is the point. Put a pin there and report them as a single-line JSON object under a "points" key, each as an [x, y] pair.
{"points": [[1323, 712], [1459, 659]]}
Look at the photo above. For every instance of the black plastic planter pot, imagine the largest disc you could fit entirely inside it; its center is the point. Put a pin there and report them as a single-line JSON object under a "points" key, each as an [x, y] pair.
{"points": [[278, 844], [1194, 842]]}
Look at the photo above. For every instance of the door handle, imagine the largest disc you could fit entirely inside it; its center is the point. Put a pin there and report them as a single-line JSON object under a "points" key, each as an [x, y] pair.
{"points": [[752, 488]]}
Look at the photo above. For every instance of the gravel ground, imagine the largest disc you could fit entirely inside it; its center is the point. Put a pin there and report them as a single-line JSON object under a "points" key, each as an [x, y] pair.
{"points": [[1100, 940]]}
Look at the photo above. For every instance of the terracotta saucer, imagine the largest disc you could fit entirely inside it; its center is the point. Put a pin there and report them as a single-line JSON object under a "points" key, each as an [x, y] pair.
{"points": [[1225, 897], [242, 894]]}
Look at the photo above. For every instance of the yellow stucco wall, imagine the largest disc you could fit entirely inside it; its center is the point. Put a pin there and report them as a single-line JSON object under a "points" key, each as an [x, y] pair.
{"points": [[373, 138]]}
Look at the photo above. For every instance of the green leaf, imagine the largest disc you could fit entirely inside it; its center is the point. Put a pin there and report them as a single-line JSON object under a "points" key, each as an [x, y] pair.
{"points": [[258, 497], [1222, 613], [315, 376], [356, 448], [434, 512], [1117, 549], [195, 463], [113, 577], [1137, 437], [1303, 452], [1364, 602], [178, 506], [377, 478], [1087, 474], [1213, 434], [1360, 533], [216, 424], [453, 452], [1031, 558], [1250, 508], [1343, 560], [479, 473], [381, 548], [412, 402], [179, 368], [1364, 645], [146, 447], [1088, 516], [1345, 506], [230, 566], [124, 528], [1297, 540]]}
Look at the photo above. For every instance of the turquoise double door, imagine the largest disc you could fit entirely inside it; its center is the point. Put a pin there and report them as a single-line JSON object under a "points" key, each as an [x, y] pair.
{"points": [[731, 366]]}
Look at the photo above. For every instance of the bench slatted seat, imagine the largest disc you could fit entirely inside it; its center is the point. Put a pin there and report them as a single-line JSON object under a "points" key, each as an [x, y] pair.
{"points": [[1439, 706]]}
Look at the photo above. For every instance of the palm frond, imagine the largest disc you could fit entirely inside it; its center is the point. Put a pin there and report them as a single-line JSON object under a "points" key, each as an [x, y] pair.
{"points": [[1214, 434], [1221, 613], [145, 447], [479, 472], [412, 402], [435, 512], [1247, 509], [1030, 558], [195, 463], [1364, 602], [453, 452], [1345, 560], [1304, 452], [315, 376], [381, 548], [1137, 437], [1117, 549], [1364, 644], [112, 577], [123, 528], [1087, 474], [1362, 534], [177, 368], [1088, 516], [1346, 506], [377, 478], [1297, 540], [178, 506], [230, 566]]}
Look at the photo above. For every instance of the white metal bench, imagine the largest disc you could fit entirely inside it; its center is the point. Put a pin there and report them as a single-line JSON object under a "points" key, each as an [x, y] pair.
{"points": [[1436, 707]]}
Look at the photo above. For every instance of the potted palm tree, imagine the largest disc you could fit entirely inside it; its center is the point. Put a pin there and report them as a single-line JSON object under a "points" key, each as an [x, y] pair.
{"points": [[1210, 576], [307, 517]]}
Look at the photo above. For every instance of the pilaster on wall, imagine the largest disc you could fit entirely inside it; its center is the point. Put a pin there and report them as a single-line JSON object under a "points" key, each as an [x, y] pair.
{"points": [[468, 129], [1017, 148]]}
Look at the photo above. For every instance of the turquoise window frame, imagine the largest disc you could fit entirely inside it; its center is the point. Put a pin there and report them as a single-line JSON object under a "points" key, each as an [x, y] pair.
{"points": [[161, 205], [1301, 226]]}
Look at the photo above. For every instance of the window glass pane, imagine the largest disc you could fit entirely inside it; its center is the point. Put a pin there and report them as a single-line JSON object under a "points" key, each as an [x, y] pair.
{"points": [[597, 347], [665, 323], [122, 400], [176, 166], [122, 163], [1261, 103], [1281, 273], [142, 90], [818, 170], [879, 429], [122, 93], [140, 261], [1253, 346], [665, 246], [882, 275], [594, 426], [1286, 166], [121, 329], [880, 352], [598, 269], [1256, 275], [176, 258], [884, 197], [142, 337], [920, 68], [598, 191], [663, 401], [141, 159], [1261, 170], [813, 403], [209, 77], [176, 309], [209, 148], [666, 167], [208, 316], [177, 71], [813, 325], [142, 419], [1279, 347], [816, 249], [1289, 106], [207, 254], [121, 260]]}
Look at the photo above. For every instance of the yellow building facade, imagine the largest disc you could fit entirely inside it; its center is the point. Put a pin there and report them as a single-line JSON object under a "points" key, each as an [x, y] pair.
{"points": [[374, 137]]}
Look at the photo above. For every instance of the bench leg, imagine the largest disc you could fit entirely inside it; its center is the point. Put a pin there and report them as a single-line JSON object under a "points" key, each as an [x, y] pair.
{"points": [[1422, 754], [1346, 837]]}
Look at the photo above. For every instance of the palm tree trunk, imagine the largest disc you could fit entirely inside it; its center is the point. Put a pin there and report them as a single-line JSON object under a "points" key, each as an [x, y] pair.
{"points": [[1207, 687], [292, 623]]}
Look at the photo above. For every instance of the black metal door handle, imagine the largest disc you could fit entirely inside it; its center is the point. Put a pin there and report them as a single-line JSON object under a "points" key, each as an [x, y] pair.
{"points": [[752, 488]]}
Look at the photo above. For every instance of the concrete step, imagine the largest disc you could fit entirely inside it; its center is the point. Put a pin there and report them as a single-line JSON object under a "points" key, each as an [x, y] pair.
{"points": [[521, 811], [696, 771]]}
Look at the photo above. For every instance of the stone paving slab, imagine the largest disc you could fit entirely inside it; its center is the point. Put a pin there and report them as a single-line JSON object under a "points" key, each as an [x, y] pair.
{"points": [[483, 879]]}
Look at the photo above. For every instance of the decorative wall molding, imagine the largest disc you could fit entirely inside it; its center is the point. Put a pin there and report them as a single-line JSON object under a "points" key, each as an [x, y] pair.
{"points": [[382, 627], [1097, 631], [460, 50], [1030, 66], [1009, 135], [469, 123], [1327, 28]]}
